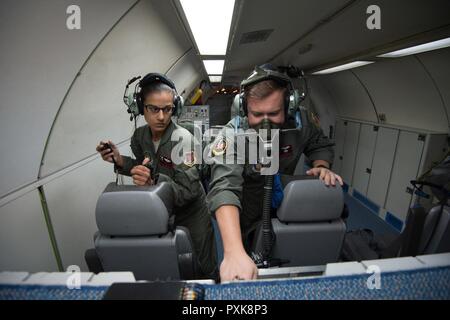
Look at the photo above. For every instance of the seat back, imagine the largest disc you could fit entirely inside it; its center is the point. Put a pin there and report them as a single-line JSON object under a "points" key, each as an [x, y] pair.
{"points": [[135, 234], [436, 231], [308, 228]]}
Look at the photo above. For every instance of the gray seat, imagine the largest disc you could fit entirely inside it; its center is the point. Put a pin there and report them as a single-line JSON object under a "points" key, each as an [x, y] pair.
{"points": [[436, 231], [135, 234], [308, 228]]}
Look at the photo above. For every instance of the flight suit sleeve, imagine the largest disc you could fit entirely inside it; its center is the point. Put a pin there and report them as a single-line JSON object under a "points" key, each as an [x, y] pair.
{"points": [[226, 178], [128, 162], [185, 180], [319, 147], [185, 184]]}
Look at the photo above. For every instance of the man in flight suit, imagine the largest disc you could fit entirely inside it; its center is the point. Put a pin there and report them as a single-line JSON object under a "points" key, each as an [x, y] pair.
{"points": [[152, 146], [235, 195]]}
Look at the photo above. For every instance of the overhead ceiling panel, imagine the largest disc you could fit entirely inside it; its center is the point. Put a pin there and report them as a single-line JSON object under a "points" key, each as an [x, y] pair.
{"points": [[347, 34], [317, 33], [288, 19]]}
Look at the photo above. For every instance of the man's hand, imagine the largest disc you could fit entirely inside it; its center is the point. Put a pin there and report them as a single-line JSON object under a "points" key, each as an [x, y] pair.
{"points": [[237, 266], [108, 153], [328, 176], [141, 174]]}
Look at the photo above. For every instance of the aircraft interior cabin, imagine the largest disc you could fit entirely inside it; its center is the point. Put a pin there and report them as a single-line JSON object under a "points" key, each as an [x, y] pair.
{"points": [[225, 150]]}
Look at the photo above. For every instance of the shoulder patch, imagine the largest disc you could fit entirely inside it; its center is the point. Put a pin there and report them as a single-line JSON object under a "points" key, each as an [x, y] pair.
{"points": [[165, 162], [220, 146], [189, 159]]}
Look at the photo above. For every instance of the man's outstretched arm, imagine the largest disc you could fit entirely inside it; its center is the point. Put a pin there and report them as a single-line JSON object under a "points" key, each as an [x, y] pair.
{"points": [[236, 263]]}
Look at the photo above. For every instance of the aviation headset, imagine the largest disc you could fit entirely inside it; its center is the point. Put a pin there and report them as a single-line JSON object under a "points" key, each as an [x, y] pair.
{"points": [[135, 102], [291, 99]]}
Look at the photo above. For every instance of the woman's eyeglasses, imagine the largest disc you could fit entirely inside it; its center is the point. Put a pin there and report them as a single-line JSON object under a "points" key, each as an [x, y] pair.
{"points": [[156, 110]]}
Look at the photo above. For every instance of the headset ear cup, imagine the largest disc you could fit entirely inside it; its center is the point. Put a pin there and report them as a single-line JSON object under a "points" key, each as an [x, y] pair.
{"points": [[287, 102], [243, 105], [178, 105], [294, 102], [175, 106], [140, 103]]}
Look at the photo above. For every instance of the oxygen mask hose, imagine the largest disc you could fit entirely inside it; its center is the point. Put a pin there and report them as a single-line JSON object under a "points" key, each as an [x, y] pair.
{"points": [[267, 232]]}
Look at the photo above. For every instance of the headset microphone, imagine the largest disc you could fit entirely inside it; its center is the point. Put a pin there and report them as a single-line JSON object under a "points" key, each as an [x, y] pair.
{"points": [[133, 80], [130, 100]]}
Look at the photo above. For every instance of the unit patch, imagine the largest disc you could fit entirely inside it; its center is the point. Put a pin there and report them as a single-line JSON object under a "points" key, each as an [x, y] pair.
{"points": [[166, 162], [220, 146], [189, 159], [286, 151]]}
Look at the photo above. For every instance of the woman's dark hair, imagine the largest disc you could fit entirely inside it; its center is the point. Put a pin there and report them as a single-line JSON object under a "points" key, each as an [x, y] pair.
{"points": [[156, 87]]}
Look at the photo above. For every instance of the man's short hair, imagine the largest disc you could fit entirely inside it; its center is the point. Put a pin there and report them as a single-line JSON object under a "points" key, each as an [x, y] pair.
{"points": [[263, 89], [156, 87]]}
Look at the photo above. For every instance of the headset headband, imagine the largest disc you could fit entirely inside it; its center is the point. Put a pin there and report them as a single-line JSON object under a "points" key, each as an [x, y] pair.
{"points": [[156, 77], [261, 74]]}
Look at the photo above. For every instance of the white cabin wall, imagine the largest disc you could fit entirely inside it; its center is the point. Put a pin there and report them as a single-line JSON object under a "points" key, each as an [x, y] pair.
{"points": [[40, 58], [403, 91], [24, 239], [437, 65], [351, 98], [322, 103], [413, 94], [412, 91], [187, 73]]}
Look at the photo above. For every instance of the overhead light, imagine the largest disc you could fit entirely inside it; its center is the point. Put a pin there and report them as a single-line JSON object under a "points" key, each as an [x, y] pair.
{"points": [[215, 78], [443, 43], [214, 66], [210, 22], [346, 66]]}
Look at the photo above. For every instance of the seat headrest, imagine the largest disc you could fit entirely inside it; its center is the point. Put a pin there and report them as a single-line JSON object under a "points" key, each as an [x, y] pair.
{"points": [[134, 211], [310, 201]]}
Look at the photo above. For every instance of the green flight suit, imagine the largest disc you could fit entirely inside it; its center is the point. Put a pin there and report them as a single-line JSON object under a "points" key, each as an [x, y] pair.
{"points": [[241, 185], [190, 208]]}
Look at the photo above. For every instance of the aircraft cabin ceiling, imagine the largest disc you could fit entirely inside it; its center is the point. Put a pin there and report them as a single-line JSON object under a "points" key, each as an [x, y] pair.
{"points": [[312, 34]]}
